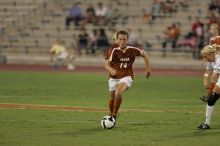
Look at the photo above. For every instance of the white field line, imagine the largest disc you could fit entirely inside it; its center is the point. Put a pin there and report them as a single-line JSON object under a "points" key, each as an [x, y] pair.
{"points": [[97, 122], [167, 100], [89, 109], [90, 121]]}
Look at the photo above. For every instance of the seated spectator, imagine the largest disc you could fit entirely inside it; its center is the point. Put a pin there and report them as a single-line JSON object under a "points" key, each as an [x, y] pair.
{"points": [[195, 38], [184, 4], [90, 13], [197, 23], [101, 12], [213, 17], [102, 42], [200, 32], [188, 40], [109, 14], [155, 9], [215, 5], [116, 15], [168, 6], [83, 41], [93, 41], [146, 15], [171, 35], [61, 56], [75, 14]]}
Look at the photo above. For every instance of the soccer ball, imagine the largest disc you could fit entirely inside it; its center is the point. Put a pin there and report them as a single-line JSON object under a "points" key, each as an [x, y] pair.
{"points": [[107, 122]]}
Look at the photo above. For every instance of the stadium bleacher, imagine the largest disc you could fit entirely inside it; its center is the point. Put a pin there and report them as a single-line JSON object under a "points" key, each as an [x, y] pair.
{"points": [[30, 27]]}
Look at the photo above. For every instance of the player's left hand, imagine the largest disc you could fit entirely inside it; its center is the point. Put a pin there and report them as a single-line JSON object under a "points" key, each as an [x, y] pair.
{"points": [[147, 74]]}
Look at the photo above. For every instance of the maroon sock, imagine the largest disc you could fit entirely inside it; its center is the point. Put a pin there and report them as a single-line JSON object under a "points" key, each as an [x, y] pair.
{"points": [[111, 105], [117, 103]]}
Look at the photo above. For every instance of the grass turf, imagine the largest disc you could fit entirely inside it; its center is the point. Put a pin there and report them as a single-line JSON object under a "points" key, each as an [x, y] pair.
{"points": [[166, 111]]}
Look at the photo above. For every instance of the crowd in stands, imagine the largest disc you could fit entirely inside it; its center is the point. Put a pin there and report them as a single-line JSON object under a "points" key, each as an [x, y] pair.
{"points": [[200, 29], [95, 43], [100, 15], [172, 34], [103, 14], [162, 8]]}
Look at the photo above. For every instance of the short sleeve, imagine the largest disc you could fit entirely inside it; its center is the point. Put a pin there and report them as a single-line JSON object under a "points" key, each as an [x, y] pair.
{"points": [[217, 65], [108, 53], [138, 51]]}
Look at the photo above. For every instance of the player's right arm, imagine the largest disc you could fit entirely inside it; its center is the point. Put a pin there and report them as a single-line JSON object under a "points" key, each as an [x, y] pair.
{"points": [[109, 68]]}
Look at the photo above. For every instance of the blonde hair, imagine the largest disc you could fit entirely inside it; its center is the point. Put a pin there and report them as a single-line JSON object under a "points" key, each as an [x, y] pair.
{"points": [[207, 50], [114, 38], [214, 26]]}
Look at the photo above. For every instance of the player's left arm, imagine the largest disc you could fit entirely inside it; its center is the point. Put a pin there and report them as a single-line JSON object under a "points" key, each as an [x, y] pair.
{"points": [[147, 64], [206, 78]]}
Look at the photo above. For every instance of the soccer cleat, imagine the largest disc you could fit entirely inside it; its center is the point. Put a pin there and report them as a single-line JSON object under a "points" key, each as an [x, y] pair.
{"points": [[115, 117], [204, 98], [112, 118], [203, 126]]}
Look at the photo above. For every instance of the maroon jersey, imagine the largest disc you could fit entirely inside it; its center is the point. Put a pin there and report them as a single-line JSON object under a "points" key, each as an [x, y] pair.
{"points": [[215, 40], [122, 61]]}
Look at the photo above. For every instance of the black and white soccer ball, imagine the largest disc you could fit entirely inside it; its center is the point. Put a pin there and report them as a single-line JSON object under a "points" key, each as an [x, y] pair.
{"points": [[108, 122]]}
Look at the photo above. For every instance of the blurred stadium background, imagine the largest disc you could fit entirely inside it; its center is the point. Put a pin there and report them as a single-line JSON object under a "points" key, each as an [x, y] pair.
{"points": [[30, 27]]}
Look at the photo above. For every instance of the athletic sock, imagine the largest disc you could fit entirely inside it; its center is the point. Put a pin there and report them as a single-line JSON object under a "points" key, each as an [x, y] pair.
{"points": [[208, 114], [117, 103], [111, 105]]}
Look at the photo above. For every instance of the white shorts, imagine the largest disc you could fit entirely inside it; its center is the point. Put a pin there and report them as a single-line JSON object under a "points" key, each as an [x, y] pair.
{"points": [[63, 55], [112, 83]]}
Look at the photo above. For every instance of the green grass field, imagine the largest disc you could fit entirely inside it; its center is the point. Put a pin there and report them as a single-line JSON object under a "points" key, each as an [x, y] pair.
{"points": [[162, 111]]}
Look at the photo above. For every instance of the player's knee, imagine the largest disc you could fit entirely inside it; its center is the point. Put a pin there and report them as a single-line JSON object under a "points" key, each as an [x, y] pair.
{"points": [[118, 94], [213, 98]]}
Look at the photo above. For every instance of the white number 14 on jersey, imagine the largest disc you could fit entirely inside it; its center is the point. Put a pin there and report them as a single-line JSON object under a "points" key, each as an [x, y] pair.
{"points": [[123, 65]]}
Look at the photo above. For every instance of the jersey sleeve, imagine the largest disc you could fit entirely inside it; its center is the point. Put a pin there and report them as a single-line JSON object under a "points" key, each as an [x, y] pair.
{"points": [[108, 54], [217, 64], [138, 51]]}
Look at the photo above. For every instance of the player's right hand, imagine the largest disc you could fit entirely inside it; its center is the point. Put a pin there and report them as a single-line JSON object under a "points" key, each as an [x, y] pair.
{"points": [[113, 72]]}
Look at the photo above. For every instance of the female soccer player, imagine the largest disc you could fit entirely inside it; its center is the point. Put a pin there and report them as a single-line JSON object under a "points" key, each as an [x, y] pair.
{"points": [[214, 40], [211, 54], [61, 56], [118, 63]]}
